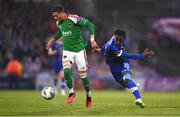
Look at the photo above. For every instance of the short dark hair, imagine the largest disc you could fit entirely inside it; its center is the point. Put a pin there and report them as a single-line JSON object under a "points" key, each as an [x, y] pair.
{"points": [[58, 8], [120, 32]]}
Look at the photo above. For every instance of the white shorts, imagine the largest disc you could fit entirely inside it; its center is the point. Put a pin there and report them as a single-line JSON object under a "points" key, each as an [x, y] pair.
{"points": [[79, 58]]}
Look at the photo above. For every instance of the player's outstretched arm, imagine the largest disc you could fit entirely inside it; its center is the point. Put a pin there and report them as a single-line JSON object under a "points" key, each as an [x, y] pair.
{"points": [[51, 41], [130, 56], [146, 53], [95, 47]]}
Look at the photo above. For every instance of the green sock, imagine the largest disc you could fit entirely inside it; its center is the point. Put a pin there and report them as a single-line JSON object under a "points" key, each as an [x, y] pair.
{"points": [[86, 83], [68, 77]]}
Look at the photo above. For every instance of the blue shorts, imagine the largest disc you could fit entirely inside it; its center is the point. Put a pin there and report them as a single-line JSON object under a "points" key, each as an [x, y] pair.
{"points": [[58, 68], [121, 75]]}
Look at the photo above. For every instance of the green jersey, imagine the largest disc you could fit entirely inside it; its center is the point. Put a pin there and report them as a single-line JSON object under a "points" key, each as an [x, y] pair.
{"points": [[70, 31]]}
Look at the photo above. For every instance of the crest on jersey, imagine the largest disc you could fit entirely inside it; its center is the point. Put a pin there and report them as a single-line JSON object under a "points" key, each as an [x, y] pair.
{"points": [[70, 24]]}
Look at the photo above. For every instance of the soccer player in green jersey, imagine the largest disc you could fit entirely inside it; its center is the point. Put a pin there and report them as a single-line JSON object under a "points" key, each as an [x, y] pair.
{"points": [[70, 31]]}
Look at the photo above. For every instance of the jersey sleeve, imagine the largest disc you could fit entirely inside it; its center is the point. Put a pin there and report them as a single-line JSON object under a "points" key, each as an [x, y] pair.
{"points": [[57, 35], [83, 22], [104, 49], [130, 56], [86, 23]]}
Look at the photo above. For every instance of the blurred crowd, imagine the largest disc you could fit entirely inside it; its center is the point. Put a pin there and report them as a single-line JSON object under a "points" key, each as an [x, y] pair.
{"points": [[23, 30]]}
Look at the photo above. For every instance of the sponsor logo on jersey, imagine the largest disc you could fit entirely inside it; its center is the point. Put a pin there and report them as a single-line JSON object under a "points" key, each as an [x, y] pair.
{"points": [[66, 33]]}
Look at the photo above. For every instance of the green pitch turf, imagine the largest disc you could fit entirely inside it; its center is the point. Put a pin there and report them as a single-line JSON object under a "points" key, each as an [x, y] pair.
{"points": [[105, 103]]}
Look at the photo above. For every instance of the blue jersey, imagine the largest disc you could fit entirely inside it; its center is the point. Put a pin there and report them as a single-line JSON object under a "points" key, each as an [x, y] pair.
{"points": [[57, 59], [117, 57]]}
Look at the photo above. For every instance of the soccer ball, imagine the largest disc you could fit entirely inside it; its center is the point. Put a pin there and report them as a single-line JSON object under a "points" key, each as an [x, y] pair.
{"points": [[48, 93]]}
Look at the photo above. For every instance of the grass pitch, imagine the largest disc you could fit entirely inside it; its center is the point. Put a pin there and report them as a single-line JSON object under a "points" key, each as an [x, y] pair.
{"points": [[105, 103]]}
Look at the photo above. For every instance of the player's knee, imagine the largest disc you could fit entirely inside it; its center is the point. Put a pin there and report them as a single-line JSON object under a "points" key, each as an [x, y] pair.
{"points": [[126, 82], [127, 77], [83, 73], [67, 64]]}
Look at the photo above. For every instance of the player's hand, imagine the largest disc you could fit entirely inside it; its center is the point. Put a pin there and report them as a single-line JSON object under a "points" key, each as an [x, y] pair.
{"points": [[148, 53], [95, 47], [49, 43]]}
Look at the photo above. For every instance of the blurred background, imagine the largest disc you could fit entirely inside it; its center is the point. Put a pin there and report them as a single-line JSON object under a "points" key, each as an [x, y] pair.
{"points": [[25, 25]]}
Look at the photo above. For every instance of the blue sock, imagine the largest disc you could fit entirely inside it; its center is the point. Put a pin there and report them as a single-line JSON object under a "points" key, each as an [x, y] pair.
{"points": [[63, 84], [134, 89], [55, 82], [132, 86]]}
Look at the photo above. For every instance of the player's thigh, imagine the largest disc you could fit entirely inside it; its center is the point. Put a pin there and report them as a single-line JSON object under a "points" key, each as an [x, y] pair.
{"points": [[60, 74], [81, 60], [117, 75], [81, 63], [57, 65], [68, 59], [127, 75]]}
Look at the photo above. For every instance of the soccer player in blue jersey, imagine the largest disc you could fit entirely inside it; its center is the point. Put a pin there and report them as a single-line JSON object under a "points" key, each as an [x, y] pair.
{"points": [[117, 59], [55, 51]]}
